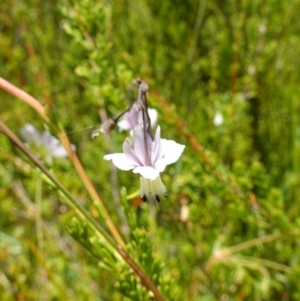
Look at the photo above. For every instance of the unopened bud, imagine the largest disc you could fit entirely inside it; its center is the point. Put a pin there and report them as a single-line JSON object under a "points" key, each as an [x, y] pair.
{"points": [[105, 128], [144, 87], [108, 126], [95, 134], [137, 81]]}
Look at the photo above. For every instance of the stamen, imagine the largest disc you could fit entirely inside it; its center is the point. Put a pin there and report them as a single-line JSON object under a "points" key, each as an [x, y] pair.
{"points": [[151, 190]]}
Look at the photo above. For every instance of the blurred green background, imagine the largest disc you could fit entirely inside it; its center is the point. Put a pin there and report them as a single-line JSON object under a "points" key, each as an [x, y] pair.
{"points": [[224, 76]]}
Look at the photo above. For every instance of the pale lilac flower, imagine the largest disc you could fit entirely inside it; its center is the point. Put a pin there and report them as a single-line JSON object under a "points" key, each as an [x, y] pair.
{"points": [[218, 119], [45, 142], [134, 117], [148, 158]]}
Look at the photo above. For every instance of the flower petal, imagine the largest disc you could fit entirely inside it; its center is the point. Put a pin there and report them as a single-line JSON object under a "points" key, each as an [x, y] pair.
{"points": [[130, 119], [142, 145], [160, 164], [49, 141], [124, 125], [171, 151], [120, 161], [130, 154], [53, 146], [218, 119], [153, 114], [30, 134], [58, 152], [147, 172], [156, 146], [152, 189]]}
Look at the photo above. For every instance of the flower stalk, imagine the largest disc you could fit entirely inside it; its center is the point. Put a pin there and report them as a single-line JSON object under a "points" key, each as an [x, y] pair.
{"points": [[36, 105], [85, 216]]}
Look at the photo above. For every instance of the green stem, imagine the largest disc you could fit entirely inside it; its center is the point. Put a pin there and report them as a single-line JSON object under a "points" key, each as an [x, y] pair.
{"points": [[84, 214], [248, 244], [38, 227], [267, 263], [34, 103]]}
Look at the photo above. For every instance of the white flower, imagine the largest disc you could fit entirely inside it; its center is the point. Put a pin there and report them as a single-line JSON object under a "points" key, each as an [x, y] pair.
{"points": [[134, 117], [218, 119], [148, 158], [49, 144]]}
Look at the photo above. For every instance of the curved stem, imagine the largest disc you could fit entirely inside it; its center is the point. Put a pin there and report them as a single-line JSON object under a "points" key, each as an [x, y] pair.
{"points": [[249, 244], [31, 101], [84, 214], [35, 104]]}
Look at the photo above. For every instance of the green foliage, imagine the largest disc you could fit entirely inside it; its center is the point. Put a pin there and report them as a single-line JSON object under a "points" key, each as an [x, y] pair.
{"points": [[230, 227]]}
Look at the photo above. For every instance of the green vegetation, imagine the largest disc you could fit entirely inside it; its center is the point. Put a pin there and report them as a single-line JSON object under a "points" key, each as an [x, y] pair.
{"points": [[224, 77]]}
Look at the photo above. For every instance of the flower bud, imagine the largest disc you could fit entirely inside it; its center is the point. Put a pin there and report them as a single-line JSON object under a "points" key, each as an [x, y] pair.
{"points": [[105, 128]]}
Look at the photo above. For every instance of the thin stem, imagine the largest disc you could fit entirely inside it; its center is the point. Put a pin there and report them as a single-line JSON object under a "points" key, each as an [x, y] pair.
{"points": [[50, 274], [38, 228], [38, 216], [91, 189], [225, 253], [249, 244], [196, 31], [116, 118], [84, 214], [115, 184], [267, 263], [144, 279], [31, 101], [74, 204], [11, 89]]}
